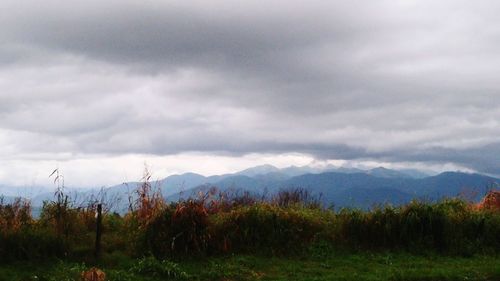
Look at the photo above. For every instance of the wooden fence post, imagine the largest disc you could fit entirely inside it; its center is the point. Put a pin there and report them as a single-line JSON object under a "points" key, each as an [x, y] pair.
{"points": [[98, 231]]}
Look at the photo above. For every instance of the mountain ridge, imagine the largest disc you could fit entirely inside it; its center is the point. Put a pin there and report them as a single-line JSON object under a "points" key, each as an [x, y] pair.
{"points": [[338, 186]]}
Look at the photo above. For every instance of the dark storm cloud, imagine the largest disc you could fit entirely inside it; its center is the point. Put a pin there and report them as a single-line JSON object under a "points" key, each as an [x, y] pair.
{"points": [[391, 80]]}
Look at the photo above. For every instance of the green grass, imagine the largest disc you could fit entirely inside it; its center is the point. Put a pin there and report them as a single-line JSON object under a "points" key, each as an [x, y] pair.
{"points": [[363, 266]]}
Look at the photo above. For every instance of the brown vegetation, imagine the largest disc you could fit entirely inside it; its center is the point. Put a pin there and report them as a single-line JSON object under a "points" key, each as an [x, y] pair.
{"points": [[491, 201], [93, 274], [15, 215], [150, 200]]}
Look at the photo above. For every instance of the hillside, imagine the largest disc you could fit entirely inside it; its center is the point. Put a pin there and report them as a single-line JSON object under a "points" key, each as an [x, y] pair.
{"points": [[361, 190]]}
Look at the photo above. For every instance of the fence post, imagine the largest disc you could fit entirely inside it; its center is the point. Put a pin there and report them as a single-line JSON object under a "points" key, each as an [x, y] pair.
{"points": [[98, 231]]}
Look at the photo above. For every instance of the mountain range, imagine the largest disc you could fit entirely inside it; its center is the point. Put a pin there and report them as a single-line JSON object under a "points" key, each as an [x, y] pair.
{"points": [[338, 187]]}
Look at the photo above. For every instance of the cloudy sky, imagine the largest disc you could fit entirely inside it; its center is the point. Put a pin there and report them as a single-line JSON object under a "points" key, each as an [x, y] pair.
{"points": [[97, 88]]}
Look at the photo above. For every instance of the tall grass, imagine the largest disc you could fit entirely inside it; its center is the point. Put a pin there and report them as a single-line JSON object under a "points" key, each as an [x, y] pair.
{"points": [[220, 223], [21, 237], [451, 226]]}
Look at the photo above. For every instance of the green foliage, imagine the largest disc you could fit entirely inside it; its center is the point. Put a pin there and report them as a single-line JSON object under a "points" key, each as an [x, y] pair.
{"points": [[347, 267], [15, 216], [179, 229], [450, 226], [154, 268], [60, 218], [121, 275], [296, 197], [206, 227], [30, 244], [268, 228], [21, 237]]}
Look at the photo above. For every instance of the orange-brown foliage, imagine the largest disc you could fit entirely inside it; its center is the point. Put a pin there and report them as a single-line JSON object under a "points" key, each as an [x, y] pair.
{"points": [[93, 274], [491, 201], [150, 201], [15, 215]]}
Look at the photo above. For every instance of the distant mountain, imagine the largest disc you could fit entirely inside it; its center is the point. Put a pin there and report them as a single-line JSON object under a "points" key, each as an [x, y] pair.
{"points": [[416, 174], [452, 184], [362, 189], [7, 199], [272, 177], [293, 171], [75, 195], [6, 190], [346, 170], [23, 191], [235, 185], [365, 198], [177, 183], [258, 170], [377, 172], [340, 186], [382, 172]]}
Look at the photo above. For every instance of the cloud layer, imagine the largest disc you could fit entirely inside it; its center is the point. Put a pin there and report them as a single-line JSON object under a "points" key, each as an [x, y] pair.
{"points": [[391, 81]]}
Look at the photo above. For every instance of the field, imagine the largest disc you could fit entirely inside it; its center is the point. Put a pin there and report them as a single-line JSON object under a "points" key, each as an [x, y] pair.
{"points": [[381, 266]]}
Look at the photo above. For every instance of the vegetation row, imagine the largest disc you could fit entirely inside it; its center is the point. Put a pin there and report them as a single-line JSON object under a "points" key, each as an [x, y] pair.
{"points": [[216, 224]]}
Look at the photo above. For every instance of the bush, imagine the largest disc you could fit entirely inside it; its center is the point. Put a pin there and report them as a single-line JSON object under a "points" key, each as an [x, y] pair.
{"points": [[15, 216], [450, 226], [21, 237], [268, 228], [30, 244], [61, 219], [297, 196], [422, 227], [180, 229], [161, 269]]}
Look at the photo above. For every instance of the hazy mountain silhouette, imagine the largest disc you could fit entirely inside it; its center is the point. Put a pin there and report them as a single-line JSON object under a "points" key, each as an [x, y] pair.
{"points": [[336, 186]]}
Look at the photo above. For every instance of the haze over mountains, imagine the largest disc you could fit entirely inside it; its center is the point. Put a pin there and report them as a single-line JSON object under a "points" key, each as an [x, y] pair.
{"points": [[339, 187]]}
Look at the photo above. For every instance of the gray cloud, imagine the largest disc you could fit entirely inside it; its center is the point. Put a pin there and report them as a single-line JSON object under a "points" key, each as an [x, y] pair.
{"points": [[407, 81]]}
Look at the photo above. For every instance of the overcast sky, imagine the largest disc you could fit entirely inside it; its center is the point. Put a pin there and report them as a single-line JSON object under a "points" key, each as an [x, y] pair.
{"points": [[97, 88]]}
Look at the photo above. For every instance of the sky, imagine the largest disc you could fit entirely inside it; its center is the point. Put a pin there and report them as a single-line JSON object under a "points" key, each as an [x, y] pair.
{"points": [[98, 88]]}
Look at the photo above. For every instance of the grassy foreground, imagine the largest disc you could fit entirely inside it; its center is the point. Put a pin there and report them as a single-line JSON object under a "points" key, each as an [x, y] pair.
{"points": [[364, 266]]}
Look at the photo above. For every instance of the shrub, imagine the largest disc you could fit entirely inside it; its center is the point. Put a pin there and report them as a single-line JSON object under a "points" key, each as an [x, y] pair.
{"points": [[160, 269], [21, 238], [422, 227], [490, 231], [297, 196], [15, 216], [182, 228], [60, 218], [149, 202], [225, 201], [450, 226], [268, 228], [351, 223], [31, 243]]}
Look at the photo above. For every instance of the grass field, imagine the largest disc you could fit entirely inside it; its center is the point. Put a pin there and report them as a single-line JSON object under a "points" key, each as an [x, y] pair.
{"points": [[364, 266]]}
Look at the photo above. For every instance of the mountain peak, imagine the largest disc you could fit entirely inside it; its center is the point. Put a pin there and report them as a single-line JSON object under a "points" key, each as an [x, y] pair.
{"points": [[386, 173], [258, 170]]}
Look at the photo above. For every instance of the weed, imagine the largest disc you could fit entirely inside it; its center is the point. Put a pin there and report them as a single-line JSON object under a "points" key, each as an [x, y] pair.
{"points": [[154, 268]]}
